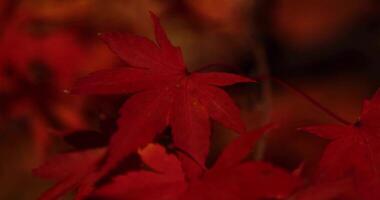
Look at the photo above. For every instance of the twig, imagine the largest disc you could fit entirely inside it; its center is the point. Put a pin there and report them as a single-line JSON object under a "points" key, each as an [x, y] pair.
{"points": [[308, 98], [262, 67]]}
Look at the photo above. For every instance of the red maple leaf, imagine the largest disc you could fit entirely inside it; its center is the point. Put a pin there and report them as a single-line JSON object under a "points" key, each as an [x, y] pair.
{"points": [[354, 151], [229, 179], [167, 181], [166, 95], [338, 190], [69, 170]]}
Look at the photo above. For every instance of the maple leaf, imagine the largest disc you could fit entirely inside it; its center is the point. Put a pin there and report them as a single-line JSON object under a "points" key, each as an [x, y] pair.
{"points": [[167, 181], [166, 95], [354, 151], [338, 190], [228, 179], [69, 170]]}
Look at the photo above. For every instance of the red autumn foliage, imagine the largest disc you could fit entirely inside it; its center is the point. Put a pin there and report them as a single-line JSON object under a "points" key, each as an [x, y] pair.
{"points": [[353, 151], [35, 70], [337, 190], [229, 178], [36, 67], [165, 94], [68, 170]]}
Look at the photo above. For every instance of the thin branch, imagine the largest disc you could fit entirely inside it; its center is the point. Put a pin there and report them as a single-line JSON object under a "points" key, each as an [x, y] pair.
{"points": [[262, 68], [308, 98]]}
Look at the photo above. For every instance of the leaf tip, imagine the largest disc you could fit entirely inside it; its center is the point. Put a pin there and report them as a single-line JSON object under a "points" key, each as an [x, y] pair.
{"points": [[153, 16]]}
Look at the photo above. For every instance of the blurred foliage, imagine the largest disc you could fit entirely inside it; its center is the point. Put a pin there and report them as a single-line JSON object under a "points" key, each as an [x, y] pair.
{"points": [[329, 48]]}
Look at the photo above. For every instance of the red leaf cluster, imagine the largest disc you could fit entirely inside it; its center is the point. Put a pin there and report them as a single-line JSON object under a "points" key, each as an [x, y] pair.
{"points": [[165, 94], [228, 179], [36, 66]]}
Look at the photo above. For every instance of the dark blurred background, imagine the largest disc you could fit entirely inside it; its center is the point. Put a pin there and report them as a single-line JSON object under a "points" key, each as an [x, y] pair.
{"points": [[330, 49]]}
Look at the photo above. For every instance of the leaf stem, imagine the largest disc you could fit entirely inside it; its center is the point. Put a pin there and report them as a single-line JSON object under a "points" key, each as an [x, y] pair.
{"points": [[308, 98], [185, 153], [297, 91]]}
